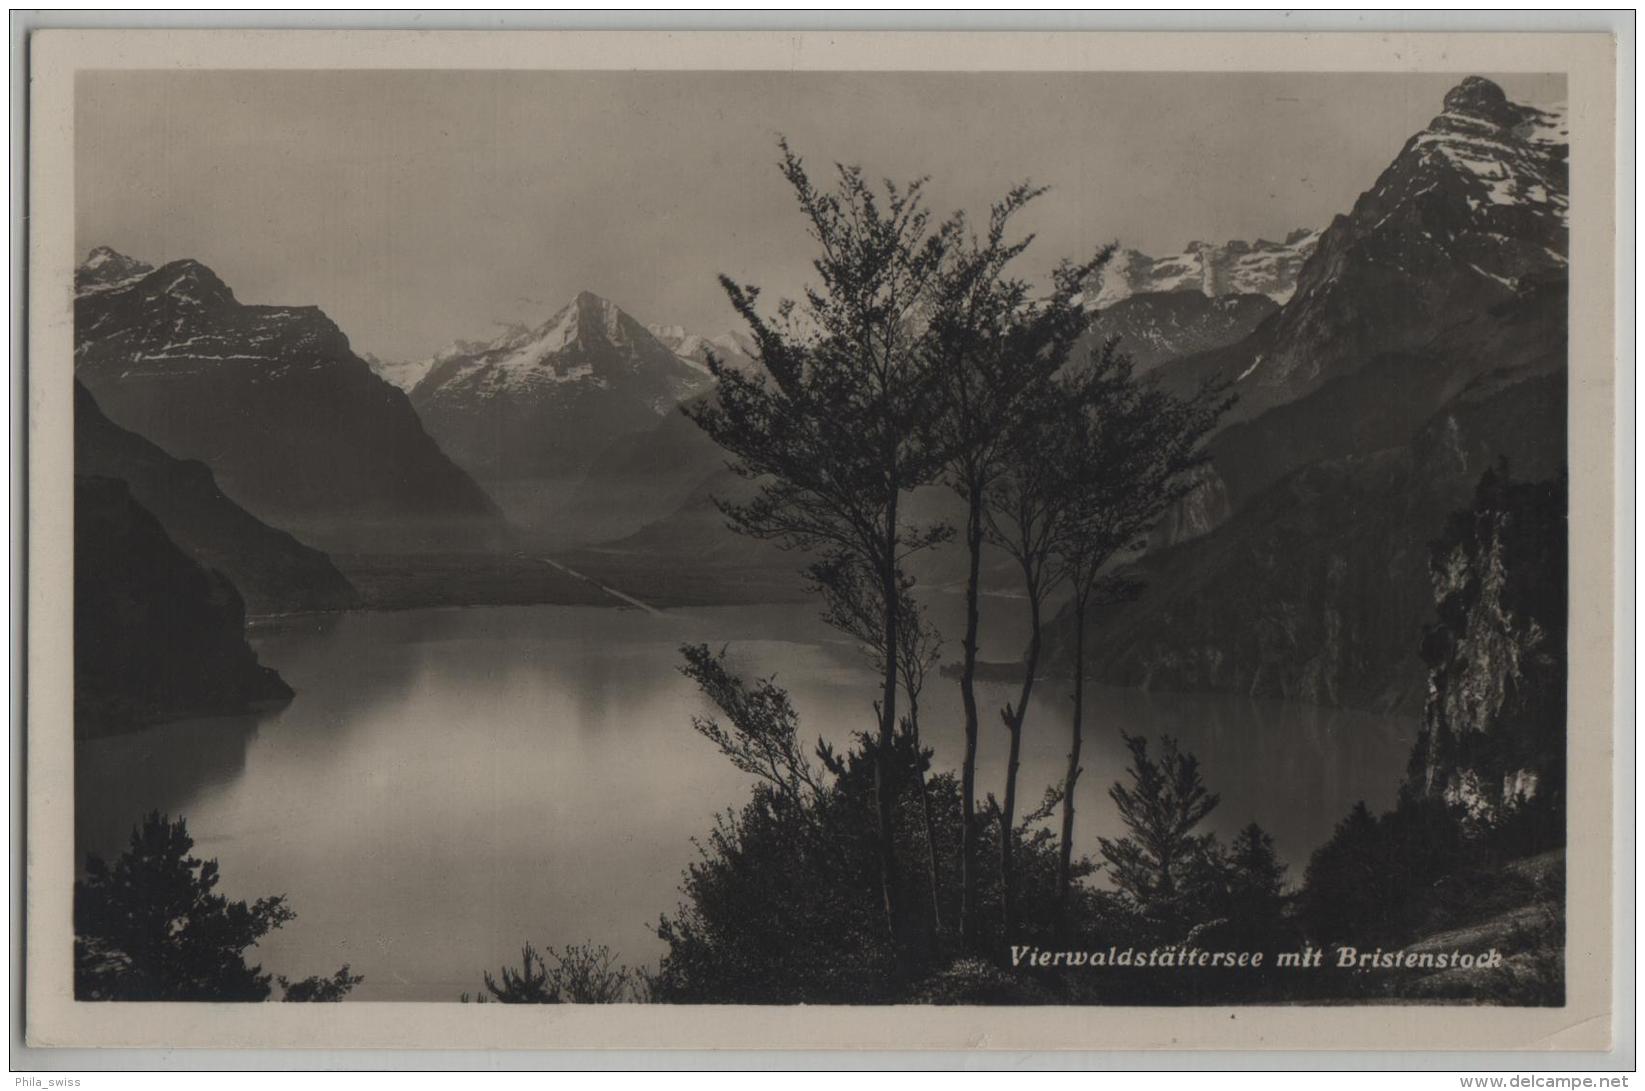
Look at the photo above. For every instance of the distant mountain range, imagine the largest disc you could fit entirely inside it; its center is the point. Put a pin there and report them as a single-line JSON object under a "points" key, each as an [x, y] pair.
{"points": [[1380, 366], [732, 349], [1472, 209], [1209, 269], [1209, 296], [651, 490], [295, 426]]}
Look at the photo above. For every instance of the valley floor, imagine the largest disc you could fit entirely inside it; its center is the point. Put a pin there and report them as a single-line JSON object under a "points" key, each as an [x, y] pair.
{"points": [[587, 577], [663, 584], [387, 581]]}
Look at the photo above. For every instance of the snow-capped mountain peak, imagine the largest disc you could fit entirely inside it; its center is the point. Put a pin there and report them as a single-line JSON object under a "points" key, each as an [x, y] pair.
{"points": [[1470, 213], [271, 397], [590, 341], [734, 349], [1263, 267], [106, 268], [538, 402], [1504, 154]]}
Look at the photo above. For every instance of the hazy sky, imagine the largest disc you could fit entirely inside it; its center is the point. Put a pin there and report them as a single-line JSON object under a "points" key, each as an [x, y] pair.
{"points": [[420, 207]]}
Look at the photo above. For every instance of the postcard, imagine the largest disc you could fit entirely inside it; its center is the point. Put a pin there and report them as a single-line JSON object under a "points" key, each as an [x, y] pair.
{"points": [[821, 540]]}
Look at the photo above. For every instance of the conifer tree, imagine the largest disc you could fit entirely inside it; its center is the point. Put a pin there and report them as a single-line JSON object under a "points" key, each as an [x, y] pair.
{"points": [[152, 926], [1161, 807], [1256, 880]]}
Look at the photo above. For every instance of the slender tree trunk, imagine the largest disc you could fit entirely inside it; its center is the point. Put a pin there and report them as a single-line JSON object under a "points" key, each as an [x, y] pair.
{"points": [[884, 790], [930, 826], [968, 692], [1014, 719], [1065, 863]]}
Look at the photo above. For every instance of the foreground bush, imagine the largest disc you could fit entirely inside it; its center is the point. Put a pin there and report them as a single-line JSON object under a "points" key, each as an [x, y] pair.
{"points": [[152, 927]]}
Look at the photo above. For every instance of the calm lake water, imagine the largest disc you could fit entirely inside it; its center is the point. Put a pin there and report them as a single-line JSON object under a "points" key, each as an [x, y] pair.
{"points": [[448, 784]]}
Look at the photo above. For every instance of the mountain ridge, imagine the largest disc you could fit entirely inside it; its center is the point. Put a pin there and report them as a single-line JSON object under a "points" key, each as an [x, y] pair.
{"points": [[296, 428], [1236, 267], [1426, 341], [272, 571], [1471, 206], [529, 411], [156, 635]]}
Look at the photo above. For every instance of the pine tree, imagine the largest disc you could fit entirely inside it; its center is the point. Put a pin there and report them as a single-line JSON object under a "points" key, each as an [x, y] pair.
{"points": [[320, 990], [1256, 883], [1155, 866], [152, 926], [575, 974]]}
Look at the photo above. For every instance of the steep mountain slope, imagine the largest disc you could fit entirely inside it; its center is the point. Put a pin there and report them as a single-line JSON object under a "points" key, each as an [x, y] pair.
{"points": [[645, 476], [405, 374], [295, 426], [641, 478], [1156, 327], [274, 572], [1426, 341], [527, 413], [1473, 207], [1383, 402], [1318, 589], [156, 637]]}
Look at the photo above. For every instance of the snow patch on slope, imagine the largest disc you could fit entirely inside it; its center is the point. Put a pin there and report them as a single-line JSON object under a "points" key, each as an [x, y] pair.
{"points": [[1263, 267]]}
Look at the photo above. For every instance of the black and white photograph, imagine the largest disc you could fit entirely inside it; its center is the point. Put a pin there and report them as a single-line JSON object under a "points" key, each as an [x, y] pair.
{"points": [[782, 537]]}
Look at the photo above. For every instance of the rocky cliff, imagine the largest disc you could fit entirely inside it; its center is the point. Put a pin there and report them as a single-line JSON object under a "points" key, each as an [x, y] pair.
{"points": [[1317, 589], [274, 572], [1493, 739], [156, 636]]}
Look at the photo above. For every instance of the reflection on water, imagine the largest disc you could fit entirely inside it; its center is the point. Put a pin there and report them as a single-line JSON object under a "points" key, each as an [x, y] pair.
{"points": [[450, 783], [118, 780]]}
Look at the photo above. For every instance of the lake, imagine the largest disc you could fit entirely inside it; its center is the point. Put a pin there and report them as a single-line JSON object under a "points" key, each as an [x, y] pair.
{"points": [[448, 784]]}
